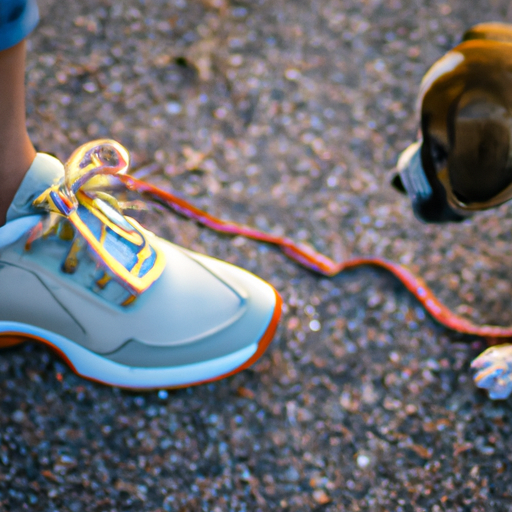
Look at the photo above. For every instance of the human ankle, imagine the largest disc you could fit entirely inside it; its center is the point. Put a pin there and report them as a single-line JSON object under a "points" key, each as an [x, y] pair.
{"points": [[15, 160]]}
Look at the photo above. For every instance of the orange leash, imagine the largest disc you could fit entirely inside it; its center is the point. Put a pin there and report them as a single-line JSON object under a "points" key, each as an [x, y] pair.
{"points": [[319, 263]]}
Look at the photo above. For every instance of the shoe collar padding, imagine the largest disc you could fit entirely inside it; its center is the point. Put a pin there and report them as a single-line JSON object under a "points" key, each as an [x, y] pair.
{"points": [[44, 172]]}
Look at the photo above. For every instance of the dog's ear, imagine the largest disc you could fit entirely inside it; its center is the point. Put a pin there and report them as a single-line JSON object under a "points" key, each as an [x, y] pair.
{"points": [[478, 159]]}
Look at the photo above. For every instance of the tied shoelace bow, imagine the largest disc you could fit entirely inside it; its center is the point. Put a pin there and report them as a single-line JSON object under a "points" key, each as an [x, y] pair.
{"points": [[79, 201], [118, 243]]}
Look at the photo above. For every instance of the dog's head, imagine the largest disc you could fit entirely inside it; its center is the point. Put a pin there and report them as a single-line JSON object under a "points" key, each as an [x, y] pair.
{"points": [[463, 160]]}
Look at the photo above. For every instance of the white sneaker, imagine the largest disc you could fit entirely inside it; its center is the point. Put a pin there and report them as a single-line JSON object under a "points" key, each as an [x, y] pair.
{"points": [[122, 306]]}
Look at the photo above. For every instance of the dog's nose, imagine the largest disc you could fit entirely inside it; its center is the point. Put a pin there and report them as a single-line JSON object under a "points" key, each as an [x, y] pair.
{"points": [[397, 184]]}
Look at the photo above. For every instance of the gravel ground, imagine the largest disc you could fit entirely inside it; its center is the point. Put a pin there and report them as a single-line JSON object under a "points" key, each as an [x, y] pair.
{"points": [[287, 115]]}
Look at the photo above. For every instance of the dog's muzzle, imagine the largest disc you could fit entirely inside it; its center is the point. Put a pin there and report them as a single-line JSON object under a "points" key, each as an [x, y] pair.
{"points": [[429, 201]]}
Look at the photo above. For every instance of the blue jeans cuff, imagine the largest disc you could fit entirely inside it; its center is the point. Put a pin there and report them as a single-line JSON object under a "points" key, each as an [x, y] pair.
{"points": [[17, 19]]}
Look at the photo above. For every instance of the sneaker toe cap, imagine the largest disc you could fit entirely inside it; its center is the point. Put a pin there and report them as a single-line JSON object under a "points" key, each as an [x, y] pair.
{"points": [[220, 309]]}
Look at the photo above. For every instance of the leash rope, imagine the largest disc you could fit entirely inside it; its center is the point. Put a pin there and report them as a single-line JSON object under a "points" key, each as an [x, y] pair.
{"points": [[319, 263]]}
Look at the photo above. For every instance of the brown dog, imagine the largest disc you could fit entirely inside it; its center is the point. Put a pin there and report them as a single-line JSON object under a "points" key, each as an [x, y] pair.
{"points": [[463, 160]]}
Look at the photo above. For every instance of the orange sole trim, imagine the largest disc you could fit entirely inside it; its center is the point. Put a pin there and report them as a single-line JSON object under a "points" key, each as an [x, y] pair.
{"points": [[10, 339]]}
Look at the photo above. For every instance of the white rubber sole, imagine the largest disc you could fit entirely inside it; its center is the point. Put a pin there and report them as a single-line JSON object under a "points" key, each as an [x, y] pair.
{"points": [[96, 367]]}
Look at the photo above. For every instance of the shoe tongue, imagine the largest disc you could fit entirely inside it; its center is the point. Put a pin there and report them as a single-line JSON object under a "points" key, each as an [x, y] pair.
{"points": [[44, 172]]}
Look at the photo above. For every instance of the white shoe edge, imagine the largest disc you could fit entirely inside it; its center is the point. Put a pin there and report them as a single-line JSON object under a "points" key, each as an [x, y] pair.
{"points": [[98, 368]]}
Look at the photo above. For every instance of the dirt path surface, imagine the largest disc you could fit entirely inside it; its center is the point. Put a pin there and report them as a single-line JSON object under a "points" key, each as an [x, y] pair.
{"points": [[287, 115]]}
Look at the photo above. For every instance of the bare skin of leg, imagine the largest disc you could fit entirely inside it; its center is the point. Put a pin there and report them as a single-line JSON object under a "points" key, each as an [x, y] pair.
{"points": [[16, 149]]}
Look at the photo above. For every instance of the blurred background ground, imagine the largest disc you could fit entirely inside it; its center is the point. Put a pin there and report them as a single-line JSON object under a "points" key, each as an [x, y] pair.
{"points": [[287, 115]]}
